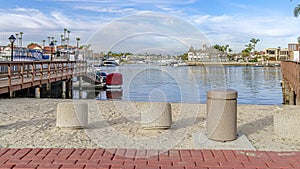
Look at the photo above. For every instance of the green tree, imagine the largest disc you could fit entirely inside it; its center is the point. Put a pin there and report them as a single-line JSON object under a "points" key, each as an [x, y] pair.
{"points": [[184, 56], [297, 10]]}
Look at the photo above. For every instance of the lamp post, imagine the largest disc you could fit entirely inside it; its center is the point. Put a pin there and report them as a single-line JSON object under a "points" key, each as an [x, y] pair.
{"points": [[51, 45], [12, 39]]}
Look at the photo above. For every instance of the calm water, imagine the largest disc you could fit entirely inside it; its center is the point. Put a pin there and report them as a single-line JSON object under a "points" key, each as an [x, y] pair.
{"points": [[255, 85]]}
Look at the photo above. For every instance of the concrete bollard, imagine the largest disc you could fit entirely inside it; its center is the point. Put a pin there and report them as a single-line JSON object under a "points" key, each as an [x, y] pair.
{"points": [[72, 115], [222, 114], [158, 116]]}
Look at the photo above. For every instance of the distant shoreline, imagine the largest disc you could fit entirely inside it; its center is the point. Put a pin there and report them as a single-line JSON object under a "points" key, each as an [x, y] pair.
{"points": [[270, 63]]}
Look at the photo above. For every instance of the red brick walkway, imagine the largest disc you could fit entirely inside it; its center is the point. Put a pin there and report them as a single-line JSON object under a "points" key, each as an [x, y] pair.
{"points": [[48, 158]]}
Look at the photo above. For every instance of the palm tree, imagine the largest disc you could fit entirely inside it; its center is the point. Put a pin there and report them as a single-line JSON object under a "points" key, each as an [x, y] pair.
{"points": [[21, 38], [77, 41], [61, 39], [68, 35], [17, 38], [65, 30], [249, 47], [254, 42], [48, 39]]}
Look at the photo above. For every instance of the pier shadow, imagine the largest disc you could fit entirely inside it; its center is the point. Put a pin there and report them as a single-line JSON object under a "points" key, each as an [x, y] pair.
{"points": [[179, 124], [21, 124], [257, 125], [108, 123]]}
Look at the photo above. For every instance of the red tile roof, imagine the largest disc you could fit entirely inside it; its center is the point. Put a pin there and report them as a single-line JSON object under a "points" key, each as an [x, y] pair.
{"points": [[56, 158]]}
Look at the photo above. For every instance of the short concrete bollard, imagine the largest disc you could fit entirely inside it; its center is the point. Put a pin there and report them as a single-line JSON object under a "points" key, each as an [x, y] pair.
{"points": [[158, 116], [73, 115], [222, 114]]}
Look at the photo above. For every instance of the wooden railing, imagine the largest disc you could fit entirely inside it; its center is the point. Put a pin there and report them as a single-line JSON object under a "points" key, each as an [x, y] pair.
{"points": [[291, 81], [20, 75]]}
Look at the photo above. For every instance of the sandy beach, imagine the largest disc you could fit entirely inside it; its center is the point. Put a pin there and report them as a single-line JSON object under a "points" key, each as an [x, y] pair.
{"points": [[117, 124]]}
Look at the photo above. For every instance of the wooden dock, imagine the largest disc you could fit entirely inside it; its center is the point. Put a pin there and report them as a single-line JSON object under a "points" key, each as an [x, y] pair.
{"points": [[15, 76], [291, 82]]}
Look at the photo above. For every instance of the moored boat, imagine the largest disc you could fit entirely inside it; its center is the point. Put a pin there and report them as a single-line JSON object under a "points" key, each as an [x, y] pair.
{"points": [[114, 81], [110, 63]]}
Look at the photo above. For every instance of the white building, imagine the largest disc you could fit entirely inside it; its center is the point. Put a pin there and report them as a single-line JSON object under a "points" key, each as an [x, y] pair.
{"points": [[205, 54]]}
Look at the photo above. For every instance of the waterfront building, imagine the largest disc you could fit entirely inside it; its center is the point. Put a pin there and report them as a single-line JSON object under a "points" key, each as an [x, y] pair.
{"points": [[277, 54], [294, 51], [35, 46], [206, 54]]}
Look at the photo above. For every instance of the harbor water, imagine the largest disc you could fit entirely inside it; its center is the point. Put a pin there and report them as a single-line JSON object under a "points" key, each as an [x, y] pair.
{"points": [[255, 85]]}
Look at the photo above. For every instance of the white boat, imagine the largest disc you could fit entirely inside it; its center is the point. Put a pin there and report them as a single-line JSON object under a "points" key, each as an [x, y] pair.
{"points": [[176, 64], [110, 63]]}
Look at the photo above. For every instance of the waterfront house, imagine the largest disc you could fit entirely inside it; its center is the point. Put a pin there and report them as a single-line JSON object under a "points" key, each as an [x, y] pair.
{"points": [[6, 51], [206, 54], [35, 46], [277, 54]]}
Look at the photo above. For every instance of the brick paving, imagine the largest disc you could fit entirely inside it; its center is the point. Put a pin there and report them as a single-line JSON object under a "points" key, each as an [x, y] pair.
{"points": [[67, 158]]}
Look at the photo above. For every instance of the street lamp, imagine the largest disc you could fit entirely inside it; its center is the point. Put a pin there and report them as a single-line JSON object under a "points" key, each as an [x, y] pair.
{"points": [[51, 45], [12, 39]]}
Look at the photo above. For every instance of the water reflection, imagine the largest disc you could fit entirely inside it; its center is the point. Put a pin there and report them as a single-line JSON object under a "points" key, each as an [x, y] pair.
{"points": [[255, 85], [114, 94]]}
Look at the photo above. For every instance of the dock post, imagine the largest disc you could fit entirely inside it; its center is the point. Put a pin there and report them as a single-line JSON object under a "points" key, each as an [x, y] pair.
{"points": [[292, 97], [69, 89], [283, 85], [37, 92], [80, 87], [11, 94], [48, 89], [298, 97], [286, 93], [63, 94]]}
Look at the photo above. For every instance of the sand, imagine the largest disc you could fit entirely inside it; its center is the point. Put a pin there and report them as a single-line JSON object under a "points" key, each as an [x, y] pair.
{"points": [[117, 124]]}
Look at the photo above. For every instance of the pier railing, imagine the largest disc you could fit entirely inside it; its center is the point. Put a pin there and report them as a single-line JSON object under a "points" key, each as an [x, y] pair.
{"points": [[291, 82], [20, 75]]}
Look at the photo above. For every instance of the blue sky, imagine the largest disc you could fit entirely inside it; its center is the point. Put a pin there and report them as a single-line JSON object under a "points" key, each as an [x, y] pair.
{"points": [[222, 22]]}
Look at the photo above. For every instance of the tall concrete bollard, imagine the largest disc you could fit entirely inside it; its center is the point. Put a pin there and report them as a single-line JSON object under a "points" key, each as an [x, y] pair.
{"points": [[158, 116], [222, 114], [73, 115]]}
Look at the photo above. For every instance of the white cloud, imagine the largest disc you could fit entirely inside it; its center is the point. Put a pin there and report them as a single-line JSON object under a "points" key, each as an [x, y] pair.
{"points": [[104, 10], [37, 25], [147, 30], [237, 30]]}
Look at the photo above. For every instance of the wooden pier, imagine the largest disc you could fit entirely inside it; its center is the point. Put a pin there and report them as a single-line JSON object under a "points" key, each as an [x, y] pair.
{"points": [[291, 82], [17, 76]]}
